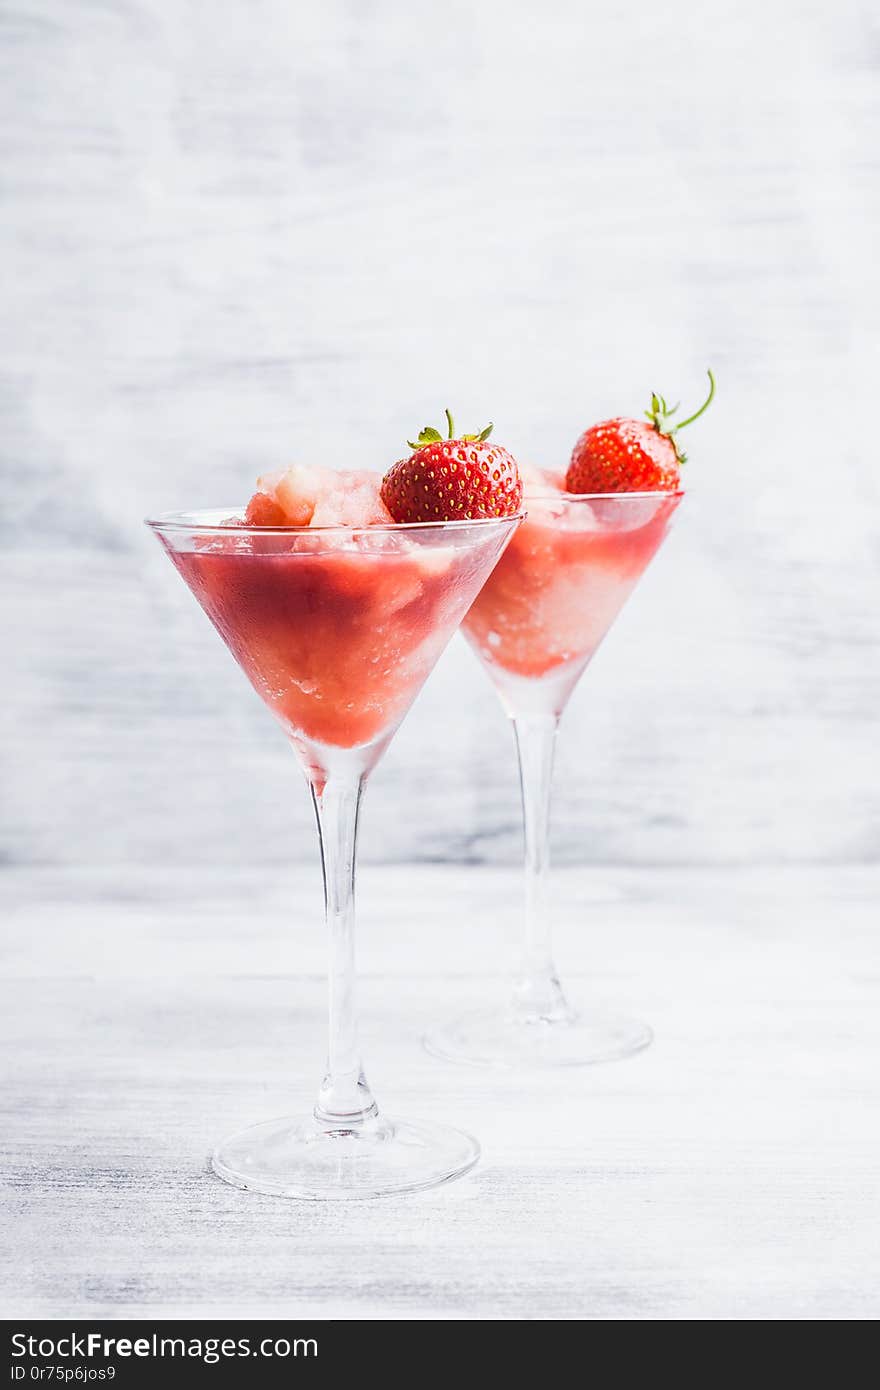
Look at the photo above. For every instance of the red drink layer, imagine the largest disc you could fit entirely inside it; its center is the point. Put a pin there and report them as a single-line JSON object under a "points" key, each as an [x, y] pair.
{"points": [[563, 579], [338, 630]]}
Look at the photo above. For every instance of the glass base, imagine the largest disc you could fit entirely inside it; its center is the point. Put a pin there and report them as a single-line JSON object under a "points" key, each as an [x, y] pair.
{"points": [[501, 1039], [308, 1159]]}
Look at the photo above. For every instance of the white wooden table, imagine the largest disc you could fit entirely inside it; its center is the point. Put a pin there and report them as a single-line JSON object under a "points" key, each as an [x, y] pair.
{"points": [[729, 1172]]}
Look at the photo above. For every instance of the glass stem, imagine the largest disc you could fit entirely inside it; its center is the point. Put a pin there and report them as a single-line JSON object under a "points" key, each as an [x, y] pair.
{"points": [[344, 1100], [537, 991]]}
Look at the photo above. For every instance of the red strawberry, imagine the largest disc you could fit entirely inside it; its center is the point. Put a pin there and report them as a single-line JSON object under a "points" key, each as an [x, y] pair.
{"points": [[629, 456], [263, 510], [461, 478]]}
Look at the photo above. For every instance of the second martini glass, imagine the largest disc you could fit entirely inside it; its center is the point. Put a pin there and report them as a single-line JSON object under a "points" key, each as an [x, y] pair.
{"points": [[337, 628], [535, 626]]}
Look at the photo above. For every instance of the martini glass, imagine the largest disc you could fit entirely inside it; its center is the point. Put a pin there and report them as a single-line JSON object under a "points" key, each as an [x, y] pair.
{"points": [[337, 629], [535, 627]]}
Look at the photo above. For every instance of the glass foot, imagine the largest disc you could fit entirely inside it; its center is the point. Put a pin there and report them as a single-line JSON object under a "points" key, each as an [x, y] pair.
{"points": [[500, 1039], [300, 1157]]}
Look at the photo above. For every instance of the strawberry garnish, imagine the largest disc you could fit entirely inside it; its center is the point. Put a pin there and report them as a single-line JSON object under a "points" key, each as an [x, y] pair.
{"points": [[626, 455], [263, 510], [461, 478]]}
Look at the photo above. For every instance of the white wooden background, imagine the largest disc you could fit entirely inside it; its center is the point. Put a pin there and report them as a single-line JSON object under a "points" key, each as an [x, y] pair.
{"points": [[232, 235]]}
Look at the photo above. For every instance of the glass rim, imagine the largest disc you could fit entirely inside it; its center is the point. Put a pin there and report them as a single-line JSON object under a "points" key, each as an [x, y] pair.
{"points": [[552, 494], [187, 521]]}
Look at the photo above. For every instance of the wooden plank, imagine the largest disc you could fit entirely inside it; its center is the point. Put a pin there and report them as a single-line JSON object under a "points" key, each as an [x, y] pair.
{"points": [[727, 1172]]}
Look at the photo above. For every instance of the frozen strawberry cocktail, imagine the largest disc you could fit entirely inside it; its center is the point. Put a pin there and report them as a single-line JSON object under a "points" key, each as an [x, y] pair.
{"points": [[337, 623], [337, 592], [564, 578], [589, 534]]}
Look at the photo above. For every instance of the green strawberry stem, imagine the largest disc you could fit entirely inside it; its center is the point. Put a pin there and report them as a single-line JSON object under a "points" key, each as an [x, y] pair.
{"points": [[705, 406], [661, 415], [431, 436]]}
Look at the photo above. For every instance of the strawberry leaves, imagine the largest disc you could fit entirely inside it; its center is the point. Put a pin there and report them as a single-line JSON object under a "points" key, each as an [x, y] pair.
{"points": [[429, 435], [426, 436], [660, 416]]}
